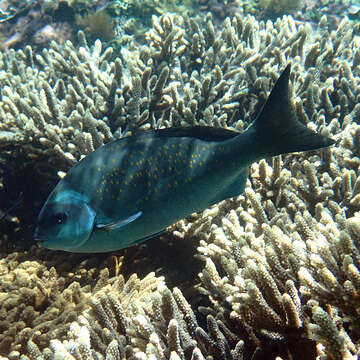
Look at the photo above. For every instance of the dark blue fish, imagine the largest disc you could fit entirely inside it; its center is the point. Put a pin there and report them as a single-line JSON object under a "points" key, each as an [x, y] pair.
{"points": [[131, 189]]}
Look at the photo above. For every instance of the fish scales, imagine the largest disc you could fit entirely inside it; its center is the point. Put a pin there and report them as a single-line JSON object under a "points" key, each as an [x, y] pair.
{"points": [[123, 180], [133, 188]]}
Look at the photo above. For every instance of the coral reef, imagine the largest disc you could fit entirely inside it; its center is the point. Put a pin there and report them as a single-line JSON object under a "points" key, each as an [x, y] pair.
{"points": [[98, 25], [36, 22], [287, 275], [281, 274], [220, 9], [274, 8]]}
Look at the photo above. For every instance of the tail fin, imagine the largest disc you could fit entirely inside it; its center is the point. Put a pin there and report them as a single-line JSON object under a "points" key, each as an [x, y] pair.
{"points": [[277, 129]]}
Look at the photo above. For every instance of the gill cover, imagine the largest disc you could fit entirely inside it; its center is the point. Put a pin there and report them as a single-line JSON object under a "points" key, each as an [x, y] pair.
{"points": [[65, 224]]}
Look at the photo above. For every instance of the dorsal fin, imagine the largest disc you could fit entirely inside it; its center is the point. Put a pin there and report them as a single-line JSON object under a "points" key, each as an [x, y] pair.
{"points": [[205, 133]]}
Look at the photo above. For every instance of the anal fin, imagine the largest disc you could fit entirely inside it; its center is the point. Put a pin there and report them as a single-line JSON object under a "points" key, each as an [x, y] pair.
{"points": [[235, 188]]}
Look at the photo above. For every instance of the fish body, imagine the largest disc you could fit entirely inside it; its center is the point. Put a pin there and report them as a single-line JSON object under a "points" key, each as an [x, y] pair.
{"points": [[133, 188]]}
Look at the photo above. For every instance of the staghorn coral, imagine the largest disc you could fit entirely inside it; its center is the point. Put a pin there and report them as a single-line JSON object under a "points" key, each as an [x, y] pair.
{"points": [[41, 294], [90, 312], [64, 103], [281, 261], [297, 279], [284, 262]]}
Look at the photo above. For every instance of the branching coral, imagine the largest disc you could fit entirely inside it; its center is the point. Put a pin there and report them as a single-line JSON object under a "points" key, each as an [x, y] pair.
{"points": [[276, 282], [281, 271], [77, 100], [108, 318]]}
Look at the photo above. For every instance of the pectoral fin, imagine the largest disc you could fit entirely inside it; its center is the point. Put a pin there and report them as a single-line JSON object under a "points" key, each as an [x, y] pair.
{"points": [[118, 224]]}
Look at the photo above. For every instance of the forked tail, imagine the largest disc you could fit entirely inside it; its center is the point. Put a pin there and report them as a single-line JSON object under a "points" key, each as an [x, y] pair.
{"points": [[277, 130]]}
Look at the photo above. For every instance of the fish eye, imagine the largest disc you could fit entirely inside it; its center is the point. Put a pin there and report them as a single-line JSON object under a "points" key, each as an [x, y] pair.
{"points": [[59, 218]]}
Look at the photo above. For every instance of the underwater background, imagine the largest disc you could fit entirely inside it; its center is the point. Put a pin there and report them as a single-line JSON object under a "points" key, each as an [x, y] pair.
{"points": [[271, 274]]}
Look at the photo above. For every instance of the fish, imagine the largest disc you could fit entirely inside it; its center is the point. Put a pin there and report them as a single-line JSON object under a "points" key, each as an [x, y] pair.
{"points": [[131, 189]]}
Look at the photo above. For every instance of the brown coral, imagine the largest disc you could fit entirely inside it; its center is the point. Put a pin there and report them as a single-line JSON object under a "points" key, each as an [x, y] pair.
{"points": [[281, 270]]}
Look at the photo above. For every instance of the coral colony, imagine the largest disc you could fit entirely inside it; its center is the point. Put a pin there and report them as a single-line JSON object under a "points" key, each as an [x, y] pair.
{"points": [[279, 274]]}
